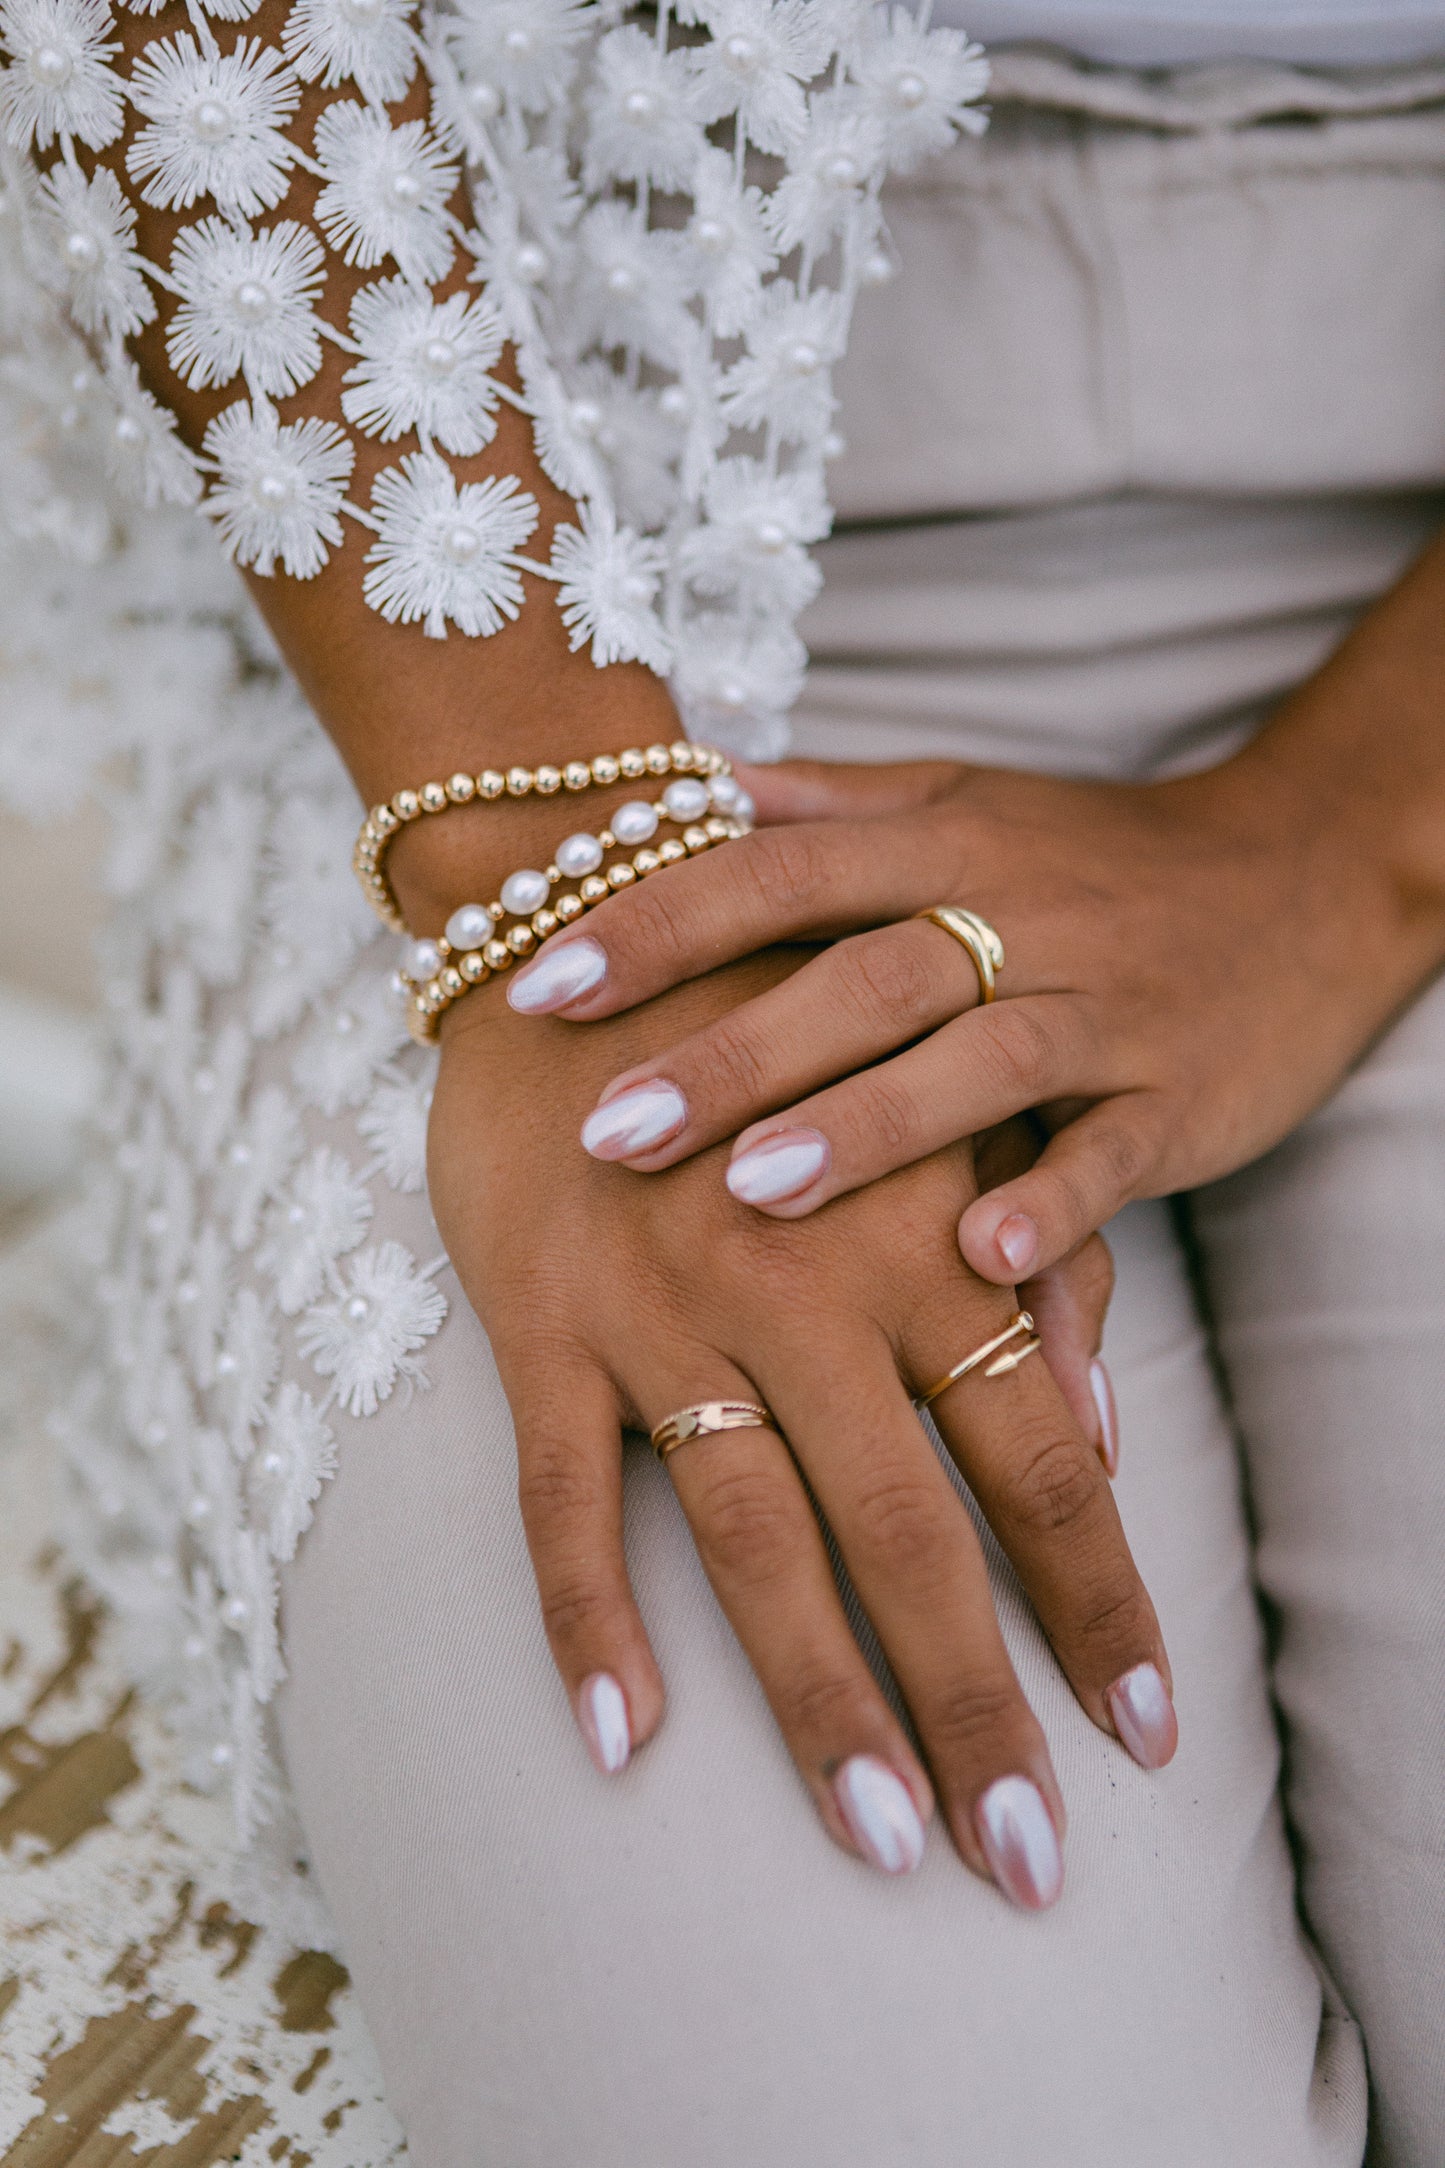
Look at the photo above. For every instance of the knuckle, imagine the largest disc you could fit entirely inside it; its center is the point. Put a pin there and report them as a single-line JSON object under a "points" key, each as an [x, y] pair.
{"points": [[786, 865], [1118, 1622], [554, 1490], [1053, 1486], [899, 1523], [887, 977], [1127, 1154], [576, 1607], [885, 1113], [821, 1703], [655, 925], [747, 1530], [971, 1710], [735, 1063], [1019, 1052]]}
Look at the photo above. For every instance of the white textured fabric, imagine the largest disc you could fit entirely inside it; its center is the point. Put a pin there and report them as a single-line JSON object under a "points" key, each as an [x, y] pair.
{"points": [[1168, 33]]}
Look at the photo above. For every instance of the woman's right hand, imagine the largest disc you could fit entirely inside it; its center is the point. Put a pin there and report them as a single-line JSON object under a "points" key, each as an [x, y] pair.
{"points": [[612, 1302]]}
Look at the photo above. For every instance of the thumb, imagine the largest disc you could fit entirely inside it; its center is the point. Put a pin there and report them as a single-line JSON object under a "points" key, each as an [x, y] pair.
{"points": [[820, 790]]}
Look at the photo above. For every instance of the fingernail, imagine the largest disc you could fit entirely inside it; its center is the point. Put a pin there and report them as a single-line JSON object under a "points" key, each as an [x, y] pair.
{"points": [[779, 1166], [878, 1809], [635, 1120], [602, 1714], [1018, 1238], [1144, 1716], [1017, 1834], [1103, 1391], [559, 975]]}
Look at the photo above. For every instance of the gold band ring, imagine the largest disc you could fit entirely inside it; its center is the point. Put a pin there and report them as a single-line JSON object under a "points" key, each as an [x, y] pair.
{"points": [[977, 936], [1021, 1322], [708, 1417]]}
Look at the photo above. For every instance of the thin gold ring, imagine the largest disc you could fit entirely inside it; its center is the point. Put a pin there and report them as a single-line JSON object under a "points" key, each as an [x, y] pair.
{"points": [[978, 937], [1021, 1322], [706, 1418]]}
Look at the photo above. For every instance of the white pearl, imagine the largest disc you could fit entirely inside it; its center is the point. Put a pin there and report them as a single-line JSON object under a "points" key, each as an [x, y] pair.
{"points": [[842, 171], [440, 356], [397, 987], [877, 268], [638, 588], [579, 855], [51, 66], [712, 236], [423, 960], [240, 1155], [525, 891], [771, 537], [621, 279], [517, 42], [273, 491], [531, 262], [362, 11], [198, 1512], [296, 1215], [731, 694], [834, 446], [467, 928], [235, 1610], [686, 799], [484, 100], [358, 1309], [640, 105], [804, 358], [272, 1463], [405, 188], [726, 791], [251, 299], [672, 403], [909, 89], [745, 807], [82, 249], [741, 53], [634, 822], [225, 1365], [586, 417], [127, 429], [210, 121], [221, 1754], [462, 544], [194, 1647]]}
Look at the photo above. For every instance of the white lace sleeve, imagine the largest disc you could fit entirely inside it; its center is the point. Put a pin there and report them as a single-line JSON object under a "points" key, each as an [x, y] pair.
{"points": [[671, 215]]}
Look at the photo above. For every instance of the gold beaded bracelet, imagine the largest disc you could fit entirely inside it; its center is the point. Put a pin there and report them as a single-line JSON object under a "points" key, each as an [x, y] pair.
{"points": [[382, 823], [459, 970]]}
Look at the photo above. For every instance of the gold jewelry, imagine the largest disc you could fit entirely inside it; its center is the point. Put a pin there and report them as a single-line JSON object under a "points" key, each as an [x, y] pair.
{"points": [[708, 1417], [368, 859], [1021, 1322], [977, 936]]}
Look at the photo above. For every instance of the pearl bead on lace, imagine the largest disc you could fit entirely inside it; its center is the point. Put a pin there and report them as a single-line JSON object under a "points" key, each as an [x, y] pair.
{"points": [[251, 300], [358, 1309], [621, 280], [908, 89], [770, 537], [272, 1464], [484, 100], [51, 66], [273, 491], [640, 106], [673, 403], [842, 171], [127, 429], [82, 249], [462, 544], [586, 417], [362, 12], [439, 357], [517, 42], [803, 358], [210, 121], [405, 188], [531, 262], [876, 269], [712, 236], [741, 53]]}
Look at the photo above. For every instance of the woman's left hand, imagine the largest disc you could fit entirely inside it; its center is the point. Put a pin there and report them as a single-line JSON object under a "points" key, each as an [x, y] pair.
{"points": [[1191, 967]]}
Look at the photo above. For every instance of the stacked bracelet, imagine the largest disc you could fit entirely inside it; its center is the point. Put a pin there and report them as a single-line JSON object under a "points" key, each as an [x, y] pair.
{"points": [[383, 821], [434, 974]]}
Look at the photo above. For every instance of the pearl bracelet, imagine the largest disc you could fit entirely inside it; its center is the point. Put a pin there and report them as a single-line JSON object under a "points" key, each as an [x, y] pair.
{"points": [[368, 859], [435, 974]]}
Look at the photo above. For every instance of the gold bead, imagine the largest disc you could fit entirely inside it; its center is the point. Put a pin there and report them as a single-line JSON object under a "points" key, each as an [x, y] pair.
{"points": [[672, 852], [452, 982], [659, 760], [498, 912], [681, 754], [646, 862], [519, 782], [419, 1025], [695, 840], [461, 787], [431, 992], [607, 839], [497, 956], [620, 876], [632, 763], [570, 907], [433, 797], [717, 829], [472, 968], [605, 769], [576, 775], [593, 889], [549, 781], [406, 805], [554, 874], [544, 924], [521, 940], [384, 821], [491, 783]]}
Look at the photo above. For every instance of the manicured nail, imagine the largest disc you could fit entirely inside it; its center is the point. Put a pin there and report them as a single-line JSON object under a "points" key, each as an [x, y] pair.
{"points": [[1144, 1716], [559, 975], [779, 1166], [881, 1818], [1102, 1388], [602, 1714], [1017, 1834], [1018, 1238], [635, 1120]]}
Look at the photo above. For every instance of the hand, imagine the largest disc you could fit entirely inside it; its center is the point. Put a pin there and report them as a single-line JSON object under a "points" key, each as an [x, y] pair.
{"points": [[1191, 966], [611, 1302]]}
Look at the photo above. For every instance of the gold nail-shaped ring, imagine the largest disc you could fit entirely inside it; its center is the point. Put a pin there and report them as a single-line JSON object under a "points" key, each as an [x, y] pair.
{"points": [[1021, 1322]]}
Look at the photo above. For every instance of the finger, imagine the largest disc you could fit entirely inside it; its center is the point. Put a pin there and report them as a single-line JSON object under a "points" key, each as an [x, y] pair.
{"points": [[1084, 1175], [569, 1480], [760, 1545], [808, 882], [915, 1561], [849, 1006], [1047, 1499], [822, 790], [964, 1077], [1068, 1304]]}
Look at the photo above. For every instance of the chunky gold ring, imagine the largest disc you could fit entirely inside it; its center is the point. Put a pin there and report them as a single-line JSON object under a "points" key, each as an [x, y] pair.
{"points": [[977, 936], [1021, 1322], [705, 1419]]}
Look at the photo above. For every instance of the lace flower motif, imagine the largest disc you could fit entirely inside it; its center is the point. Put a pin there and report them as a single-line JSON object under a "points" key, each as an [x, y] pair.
{"points": [[369, 1336], [443, 552], [256, 1162], [609, 579], [782, 383], [369, 41], [325, 1215], [215, 125], [920, 87], [394, 1123], [94, 229], [640, 120], [386, 191], [632, 285], [516, 52], [736, 684], [278, 491], [760, 54], [828, 169], [731, 250], [296, 1454], [246, 304], [424, 366], [753, 540], [337, 1060], [58, 82], [247, 1364], [143, 450]]}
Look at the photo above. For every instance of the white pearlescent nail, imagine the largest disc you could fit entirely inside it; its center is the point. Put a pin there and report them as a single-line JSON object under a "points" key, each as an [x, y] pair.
{"points": [[602, 1716], [563, 972], [778, 1166], [1103, 1392], [1144, 1716], [1017, 1833], [877, 1808], [635, 1121]]}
